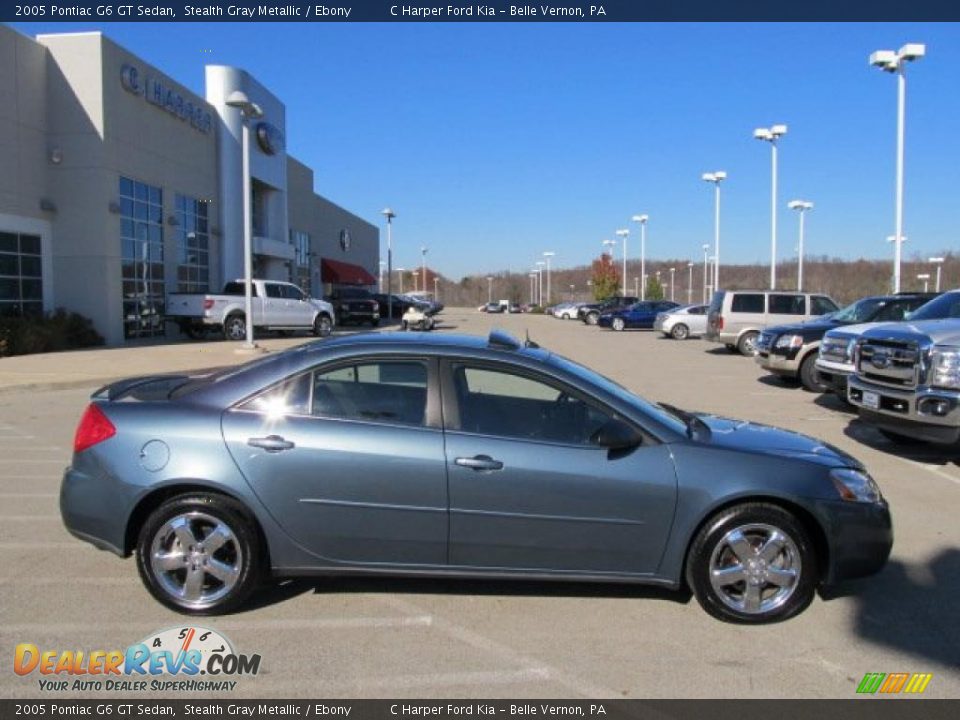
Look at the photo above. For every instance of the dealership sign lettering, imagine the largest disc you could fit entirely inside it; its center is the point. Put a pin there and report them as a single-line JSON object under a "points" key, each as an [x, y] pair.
{"points": [[158, 92]]}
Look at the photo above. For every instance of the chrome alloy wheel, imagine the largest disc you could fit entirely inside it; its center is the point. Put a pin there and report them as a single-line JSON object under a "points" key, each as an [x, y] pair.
{"points": [[196, 558], [755, 568]]}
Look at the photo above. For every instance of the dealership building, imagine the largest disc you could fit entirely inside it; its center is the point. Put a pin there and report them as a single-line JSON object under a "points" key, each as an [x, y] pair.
{"points": [[119, 186]]}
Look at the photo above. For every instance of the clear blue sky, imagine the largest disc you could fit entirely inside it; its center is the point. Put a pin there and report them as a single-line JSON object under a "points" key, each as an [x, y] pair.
{"points": [[495, 142]]}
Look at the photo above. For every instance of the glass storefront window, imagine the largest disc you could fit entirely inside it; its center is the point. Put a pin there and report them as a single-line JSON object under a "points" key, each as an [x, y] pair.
{"points": [[141, 256], [21, 274], [193, 245], [300, 272]]}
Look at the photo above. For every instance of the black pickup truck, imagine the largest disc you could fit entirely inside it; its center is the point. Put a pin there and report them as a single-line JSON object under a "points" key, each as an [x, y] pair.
{"points": [[590, 314], [354, 305]]}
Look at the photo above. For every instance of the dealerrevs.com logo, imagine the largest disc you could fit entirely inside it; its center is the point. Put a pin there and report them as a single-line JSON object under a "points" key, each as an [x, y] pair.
{"points": [[182, 659]]}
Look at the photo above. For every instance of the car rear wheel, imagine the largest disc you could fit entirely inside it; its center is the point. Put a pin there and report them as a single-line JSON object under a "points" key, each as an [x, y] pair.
{"points": [[680, 332], [200, 554], [809, 377], [322, 325], [235, 327], [592, 318], [753, 563], [747, 344], [618, 324]]}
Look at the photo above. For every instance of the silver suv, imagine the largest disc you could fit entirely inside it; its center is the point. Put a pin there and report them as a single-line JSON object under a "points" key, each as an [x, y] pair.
{"points": [[736, 317]]}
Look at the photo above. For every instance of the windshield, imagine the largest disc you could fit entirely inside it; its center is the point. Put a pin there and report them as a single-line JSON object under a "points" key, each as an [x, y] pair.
{"points": [[604, 383], [945, 306], [860, 311]]}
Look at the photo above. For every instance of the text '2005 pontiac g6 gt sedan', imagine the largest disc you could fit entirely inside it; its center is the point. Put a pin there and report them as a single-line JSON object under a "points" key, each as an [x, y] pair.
{"points": [[459, 456]]}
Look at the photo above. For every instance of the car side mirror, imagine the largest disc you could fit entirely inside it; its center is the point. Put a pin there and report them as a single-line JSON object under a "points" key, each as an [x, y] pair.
{"points": [[617, 435]]}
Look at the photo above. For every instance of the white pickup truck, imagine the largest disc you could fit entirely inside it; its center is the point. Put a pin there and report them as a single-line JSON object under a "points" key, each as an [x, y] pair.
{"points": [[276, 306]]}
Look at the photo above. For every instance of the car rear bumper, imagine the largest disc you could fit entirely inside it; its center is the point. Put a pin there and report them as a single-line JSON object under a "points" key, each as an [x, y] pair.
{"points": [[859, 537], [94, 510]]}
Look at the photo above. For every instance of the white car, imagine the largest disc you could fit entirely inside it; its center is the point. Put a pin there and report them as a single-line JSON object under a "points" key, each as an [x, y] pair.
{"points": [[567, 311], [683, 322], [416, 319]]}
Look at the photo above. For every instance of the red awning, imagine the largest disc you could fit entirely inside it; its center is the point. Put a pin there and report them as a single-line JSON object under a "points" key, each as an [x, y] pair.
{"points": [[344, 273]]}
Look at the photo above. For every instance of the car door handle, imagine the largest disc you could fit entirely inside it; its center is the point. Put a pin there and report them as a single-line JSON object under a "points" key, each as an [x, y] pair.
{"points": [[479, 462], [271, 443]]}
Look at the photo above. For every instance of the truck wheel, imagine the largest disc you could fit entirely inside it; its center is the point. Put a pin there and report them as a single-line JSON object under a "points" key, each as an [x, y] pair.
{"points": [[809, 377], [196, 332], [235, 327], [748, 343], [322, 325], [680, 332]]}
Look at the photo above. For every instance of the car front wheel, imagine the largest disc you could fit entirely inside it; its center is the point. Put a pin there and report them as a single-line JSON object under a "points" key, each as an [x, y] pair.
{"points": [[748, 343], [809, 377], [753, 563], [322, 325], [618, 324], [593, 319], [199, 554], [680, 332]]}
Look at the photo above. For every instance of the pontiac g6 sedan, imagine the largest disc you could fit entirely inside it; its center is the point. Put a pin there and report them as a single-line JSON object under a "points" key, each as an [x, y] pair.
{"points": [[458, 456]]}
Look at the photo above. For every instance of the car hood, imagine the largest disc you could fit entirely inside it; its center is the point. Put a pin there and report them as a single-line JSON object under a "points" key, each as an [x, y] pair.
{"points": [[815, 326], [768, 440]]}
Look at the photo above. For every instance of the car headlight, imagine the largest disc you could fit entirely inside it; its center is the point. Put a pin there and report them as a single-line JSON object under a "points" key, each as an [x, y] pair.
{"points": [[789, 341], [855, 485], [945, 366]]}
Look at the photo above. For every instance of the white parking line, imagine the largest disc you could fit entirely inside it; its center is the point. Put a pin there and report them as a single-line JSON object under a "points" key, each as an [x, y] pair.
{"points": [[357, 623], [504, 652]]}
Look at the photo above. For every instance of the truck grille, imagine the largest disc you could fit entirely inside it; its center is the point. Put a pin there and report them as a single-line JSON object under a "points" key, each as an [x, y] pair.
{"points": [[889, 362]]}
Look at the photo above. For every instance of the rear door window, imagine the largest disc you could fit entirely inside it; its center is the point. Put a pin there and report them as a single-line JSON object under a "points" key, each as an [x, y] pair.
{"points": [[389, 391], [788, 304], [747, 303], [273, 290]]}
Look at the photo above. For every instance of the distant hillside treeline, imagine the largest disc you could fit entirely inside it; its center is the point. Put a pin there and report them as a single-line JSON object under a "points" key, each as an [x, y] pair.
{"points": [[844, 280]]}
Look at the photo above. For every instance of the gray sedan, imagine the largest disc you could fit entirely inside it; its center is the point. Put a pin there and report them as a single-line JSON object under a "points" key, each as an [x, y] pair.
{"points": [[683, 322], [458, 456]]}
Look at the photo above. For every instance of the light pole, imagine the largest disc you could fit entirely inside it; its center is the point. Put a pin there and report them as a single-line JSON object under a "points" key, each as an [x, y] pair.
{"points": [[390, 215], [400, 272], [248, 111], [706, 250], [642, 219], [895, 62], [436, 288], [690, 283], [771, 135], [716, 178], [549, 254], [382, 264], [926, 281], [672, 271], [801, 206], [533, 280], [636, 287], [623, 234], [423, 267], [938, 261], [895, 281], [540, 264], [489, 288]]}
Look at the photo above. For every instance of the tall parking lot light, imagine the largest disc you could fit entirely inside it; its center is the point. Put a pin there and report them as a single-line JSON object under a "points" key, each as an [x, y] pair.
{"points": [[690, 283], [897, 249], [896, 62], [673, 270], [642, 219], [801, 206], [423, 267], [549, 254], [624, 233], [248, 111], [382, 264], [772, 135], [926, 281], [636, 287], [390, 215], [489, 288], [716, 178], [436, 288], [540, 264], [706, 267], [400, 272], [938, 261], [533, 281]]}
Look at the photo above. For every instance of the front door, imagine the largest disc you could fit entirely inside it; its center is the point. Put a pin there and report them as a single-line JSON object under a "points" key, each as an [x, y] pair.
{"points": [[528, 489], [349, 460]]}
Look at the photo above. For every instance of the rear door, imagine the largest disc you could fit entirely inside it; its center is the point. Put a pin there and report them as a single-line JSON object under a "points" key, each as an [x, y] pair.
{"points": [[528, 489], [274, 305], [349, 459], [298, 311]]}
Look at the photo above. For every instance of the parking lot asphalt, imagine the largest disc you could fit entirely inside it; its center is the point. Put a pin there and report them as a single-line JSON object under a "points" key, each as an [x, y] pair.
{"points": [[444, 638]]}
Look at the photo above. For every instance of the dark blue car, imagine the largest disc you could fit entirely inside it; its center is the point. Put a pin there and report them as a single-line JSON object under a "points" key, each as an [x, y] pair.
{"points": [[458, 456], [639, 315]]}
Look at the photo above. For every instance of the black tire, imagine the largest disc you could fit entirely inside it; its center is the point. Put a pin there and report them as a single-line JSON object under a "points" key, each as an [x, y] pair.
{"points": [[242, 553], [898, 439], [374, 323], [592, 318], [404, 325], [235, 327], [810, 377], [747, 343], [618, 324], [731, 347], [322, 325], [712, 547], [196, 332], [679, 332]]}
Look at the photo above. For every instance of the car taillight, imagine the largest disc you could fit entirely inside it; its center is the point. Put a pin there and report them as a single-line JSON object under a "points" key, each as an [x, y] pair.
{"points": [[94, 427], [208, 303], [720, 322]]}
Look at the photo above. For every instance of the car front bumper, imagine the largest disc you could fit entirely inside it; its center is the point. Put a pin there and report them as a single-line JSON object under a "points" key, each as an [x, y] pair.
{"points": [[779, 361], [859, 539], [834, 375], [908, 412]]}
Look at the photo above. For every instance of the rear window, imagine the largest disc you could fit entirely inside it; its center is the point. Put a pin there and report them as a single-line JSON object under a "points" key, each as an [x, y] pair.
{"points": [[945, 306], [747, 303], [788, 304]]}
